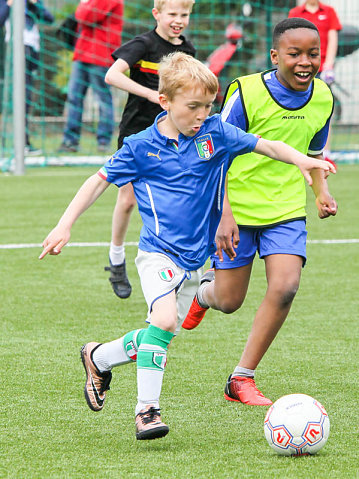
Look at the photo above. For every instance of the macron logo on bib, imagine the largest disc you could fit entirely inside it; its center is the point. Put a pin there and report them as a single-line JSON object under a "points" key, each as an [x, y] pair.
{"points": [[293, 117]]}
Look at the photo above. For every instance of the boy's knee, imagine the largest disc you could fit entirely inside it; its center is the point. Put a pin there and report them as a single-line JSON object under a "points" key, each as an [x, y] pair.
{"points": [[230, 305], [127, 203], [287, 296], [167, 322]]}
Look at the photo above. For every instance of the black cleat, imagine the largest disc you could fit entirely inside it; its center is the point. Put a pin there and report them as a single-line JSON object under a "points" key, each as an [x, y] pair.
{"points": [[119, 280]]}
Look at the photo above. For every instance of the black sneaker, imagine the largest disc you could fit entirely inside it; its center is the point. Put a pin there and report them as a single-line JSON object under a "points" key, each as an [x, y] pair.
{"points": [[119, 280]]}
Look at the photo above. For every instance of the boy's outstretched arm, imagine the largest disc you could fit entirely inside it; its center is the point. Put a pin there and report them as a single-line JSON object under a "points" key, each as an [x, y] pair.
{"points": [[60, 235], [326, 204], [283, 152], [115, 76]]}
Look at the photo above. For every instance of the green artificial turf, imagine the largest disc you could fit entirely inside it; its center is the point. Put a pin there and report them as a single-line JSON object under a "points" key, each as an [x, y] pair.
{"points": [[49, 308]]}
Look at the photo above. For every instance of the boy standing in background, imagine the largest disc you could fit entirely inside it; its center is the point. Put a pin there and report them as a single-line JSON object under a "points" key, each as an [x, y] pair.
{"points": [[141, 56], [326, 20], [100, 27]]}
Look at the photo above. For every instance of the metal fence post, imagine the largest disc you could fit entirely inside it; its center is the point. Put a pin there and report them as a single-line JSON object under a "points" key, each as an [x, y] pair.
{"points": [[18, 21]]}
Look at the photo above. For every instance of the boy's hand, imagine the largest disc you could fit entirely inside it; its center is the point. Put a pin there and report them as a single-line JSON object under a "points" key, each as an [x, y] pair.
{"points": [[308, 164], [327, 206], [227, 237], [55, 241], [328, 76]]}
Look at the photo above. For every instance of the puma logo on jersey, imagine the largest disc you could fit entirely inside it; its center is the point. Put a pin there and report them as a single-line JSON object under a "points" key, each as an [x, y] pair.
{"points": [[157, 155]]}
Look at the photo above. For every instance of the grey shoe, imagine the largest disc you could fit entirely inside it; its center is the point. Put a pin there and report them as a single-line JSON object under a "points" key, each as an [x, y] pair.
{"points": [[104, 148], [30, 150], [67, 147], [119, 280]]}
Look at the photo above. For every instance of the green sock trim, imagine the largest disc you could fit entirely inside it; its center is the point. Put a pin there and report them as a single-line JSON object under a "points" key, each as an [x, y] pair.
{"points": [[157, 336], [131, 342], [152, 353]]}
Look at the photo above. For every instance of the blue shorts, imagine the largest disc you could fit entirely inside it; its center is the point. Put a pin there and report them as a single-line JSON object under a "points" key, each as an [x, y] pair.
{"points": [[285, 238]]}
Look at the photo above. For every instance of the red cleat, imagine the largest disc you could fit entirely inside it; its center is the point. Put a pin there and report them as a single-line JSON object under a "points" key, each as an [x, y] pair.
{"points": [[195, 315], [244, 390], [196, 311]]}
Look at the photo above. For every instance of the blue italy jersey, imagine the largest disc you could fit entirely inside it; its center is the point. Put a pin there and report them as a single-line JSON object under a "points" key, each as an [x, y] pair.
{"points": [[179, 187]]}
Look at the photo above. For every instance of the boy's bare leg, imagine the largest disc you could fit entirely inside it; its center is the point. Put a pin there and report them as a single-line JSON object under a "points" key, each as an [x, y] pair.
{"points": [[283, 276], [125, 203], [120, 220], [229, 288], [227, 293]]}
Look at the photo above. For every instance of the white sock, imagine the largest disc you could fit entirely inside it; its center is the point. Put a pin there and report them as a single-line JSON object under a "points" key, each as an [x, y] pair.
{"points": [[109, 355], [149, 385], [247, 373], [117, 254], [200, 290]]}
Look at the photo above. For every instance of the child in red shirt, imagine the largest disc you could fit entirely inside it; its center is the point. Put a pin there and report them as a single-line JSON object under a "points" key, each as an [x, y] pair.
{"points": [[326, 20]]}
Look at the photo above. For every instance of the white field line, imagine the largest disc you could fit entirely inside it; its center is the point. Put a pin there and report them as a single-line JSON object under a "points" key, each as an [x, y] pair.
{"points": [[134, 243]]}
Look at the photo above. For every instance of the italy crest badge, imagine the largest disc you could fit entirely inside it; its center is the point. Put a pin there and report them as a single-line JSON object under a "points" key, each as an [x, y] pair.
{"points": [[204, 145]]}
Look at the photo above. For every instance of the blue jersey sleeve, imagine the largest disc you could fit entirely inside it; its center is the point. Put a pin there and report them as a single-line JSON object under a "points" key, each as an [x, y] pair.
{"points": [[121, 168], [233, 112], [237, 141], [319, 140]]}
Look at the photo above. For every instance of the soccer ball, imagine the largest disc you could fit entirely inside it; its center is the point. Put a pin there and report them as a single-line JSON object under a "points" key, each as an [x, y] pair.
{"points": [[296, 425]]}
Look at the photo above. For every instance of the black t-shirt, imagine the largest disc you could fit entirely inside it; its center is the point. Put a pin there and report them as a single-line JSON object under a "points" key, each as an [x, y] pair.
{"points": [[143, 55]]}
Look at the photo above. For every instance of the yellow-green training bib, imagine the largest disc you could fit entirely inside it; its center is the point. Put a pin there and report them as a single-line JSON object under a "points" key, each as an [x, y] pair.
{"points": [[263, 191]]}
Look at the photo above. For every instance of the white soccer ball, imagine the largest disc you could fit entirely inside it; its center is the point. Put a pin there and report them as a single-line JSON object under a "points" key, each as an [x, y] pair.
{"points": [[296, 425]]}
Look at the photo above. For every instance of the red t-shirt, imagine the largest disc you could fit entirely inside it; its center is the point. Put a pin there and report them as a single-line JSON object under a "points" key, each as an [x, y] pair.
{"points": [[325, 19], [100, 28]]}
